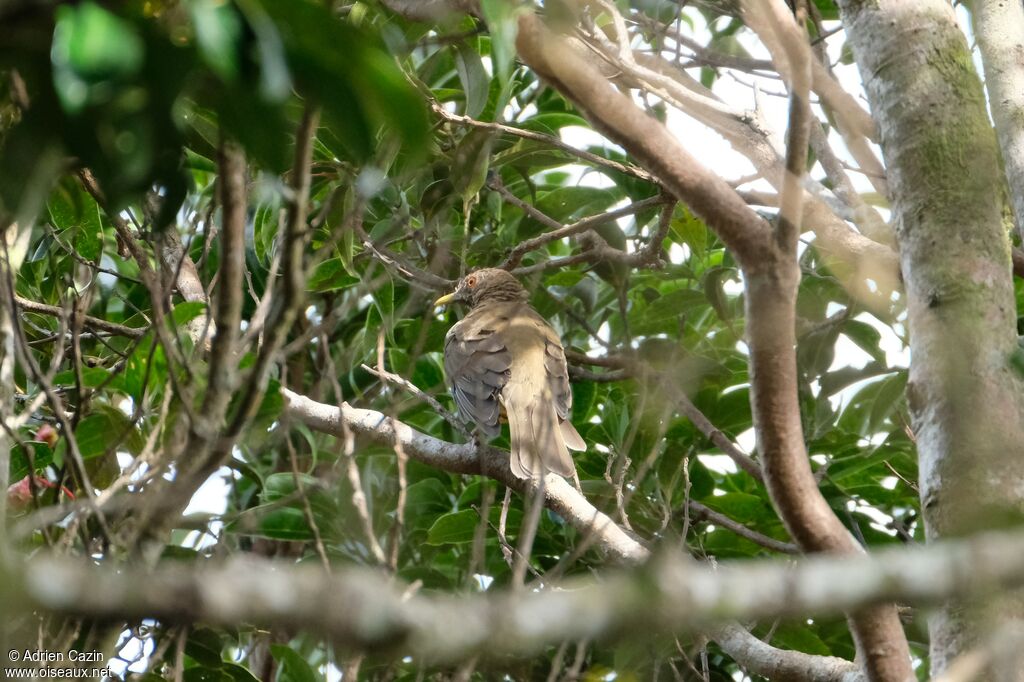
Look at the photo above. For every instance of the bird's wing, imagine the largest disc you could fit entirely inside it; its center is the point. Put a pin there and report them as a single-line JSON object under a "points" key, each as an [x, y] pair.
{"points": [[557, 371], [478, 366], [561, 390]]}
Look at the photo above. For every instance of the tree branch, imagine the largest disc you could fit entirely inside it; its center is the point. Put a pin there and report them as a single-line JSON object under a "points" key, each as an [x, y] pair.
{"points": [[627, 169], [561, 497], [763, 659], [559, 231], [87, 320], [999, 27], [223, 363], [943, 169], [648, 140], [366, 610], [711, 515]]}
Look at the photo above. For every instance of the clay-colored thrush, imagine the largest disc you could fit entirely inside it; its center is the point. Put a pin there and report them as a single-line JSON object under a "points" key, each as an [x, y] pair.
{"points": [[503, 358]]}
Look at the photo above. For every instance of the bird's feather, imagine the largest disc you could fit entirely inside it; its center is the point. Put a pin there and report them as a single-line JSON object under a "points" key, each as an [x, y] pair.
{"points": [[504, 355]]}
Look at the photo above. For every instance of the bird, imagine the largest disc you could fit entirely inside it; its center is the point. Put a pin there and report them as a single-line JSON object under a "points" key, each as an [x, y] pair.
{"points": [[503, 358]]}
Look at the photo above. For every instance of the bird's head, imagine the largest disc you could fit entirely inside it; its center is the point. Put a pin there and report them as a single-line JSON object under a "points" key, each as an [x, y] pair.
{"points": [[489, 284]]}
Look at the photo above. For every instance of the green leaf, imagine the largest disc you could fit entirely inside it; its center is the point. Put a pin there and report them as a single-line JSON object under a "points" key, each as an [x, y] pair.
{"points": [[866, 337], [198, 674], [331, 275], [454, 528], [426, 498], [689, 229], [42, 455], [238, 673], [274, 522], [292, 666], [741, 507], [503, 25], [283, 484], [816, 350], [78, 215], [1017, 360], [145, 367], [707, 76], [92, 377], [353, 76], [702, 483], [800, 638], [218, 29], [887, 399], [584, 394], [662, 314], [474, 79], [187, 311], [91, 45], [551, 123], [205, 645], [873, 404], [107, 428], [828, 9], [471, 162]]}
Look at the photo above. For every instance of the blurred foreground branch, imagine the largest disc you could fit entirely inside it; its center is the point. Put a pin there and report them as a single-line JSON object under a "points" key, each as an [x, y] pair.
{"points": [[366, 610]]}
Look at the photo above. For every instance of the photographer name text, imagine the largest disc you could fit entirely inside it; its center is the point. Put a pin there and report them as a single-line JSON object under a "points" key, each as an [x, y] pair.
{"points": [[44, 656]]}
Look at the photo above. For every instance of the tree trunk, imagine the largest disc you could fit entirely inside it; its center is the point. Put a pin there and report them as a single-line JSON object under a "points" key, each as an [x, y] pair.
{"points": [[999, 25], [966, 398]]}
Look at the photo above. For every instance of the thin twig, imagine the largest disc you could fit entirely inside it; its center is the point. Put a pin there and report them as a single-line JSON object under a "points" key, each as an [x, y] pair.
{"points": [[579, 227], [741, 530], [628, 169], [412, 388], [307, 509]]}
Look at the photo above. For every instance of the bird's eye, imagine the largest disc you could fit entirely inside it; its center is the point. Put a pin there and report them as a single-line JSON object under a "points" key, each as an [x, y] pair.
{"points": [[471, 281]]}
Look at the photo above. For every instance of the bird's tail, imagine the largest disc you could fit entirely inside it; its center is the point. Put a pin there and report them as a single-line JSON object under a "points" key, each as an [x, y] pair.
{"points": [[538, 440]]}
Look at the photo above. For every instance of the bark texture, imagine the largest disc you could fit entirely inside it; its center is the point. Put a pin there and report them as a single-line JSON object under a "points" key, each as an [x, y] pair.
{"points": [[768, 259], [999, 27], [966, 399]]}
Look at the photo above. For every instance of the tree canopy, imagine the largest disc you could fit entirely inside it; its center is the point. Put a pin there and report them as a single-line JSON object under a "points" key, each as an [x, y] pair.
{"points": [[225, 227]]}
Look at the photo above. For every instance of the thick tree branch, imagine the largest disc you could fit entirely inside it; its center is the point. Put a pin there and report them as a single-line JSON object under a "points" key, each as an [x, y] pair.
{"points": [[560, 497], [772, 277], [645, 138], [943, 167], [368, 611], [771, 320], [763, 659], [999, 26], [853, 257], [467, 459]]}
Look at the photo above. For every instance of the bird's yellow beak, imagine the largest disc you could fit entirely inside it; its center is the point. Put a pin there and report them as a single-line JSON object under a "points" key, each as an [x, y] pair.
{"points": [[444, 300]]}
